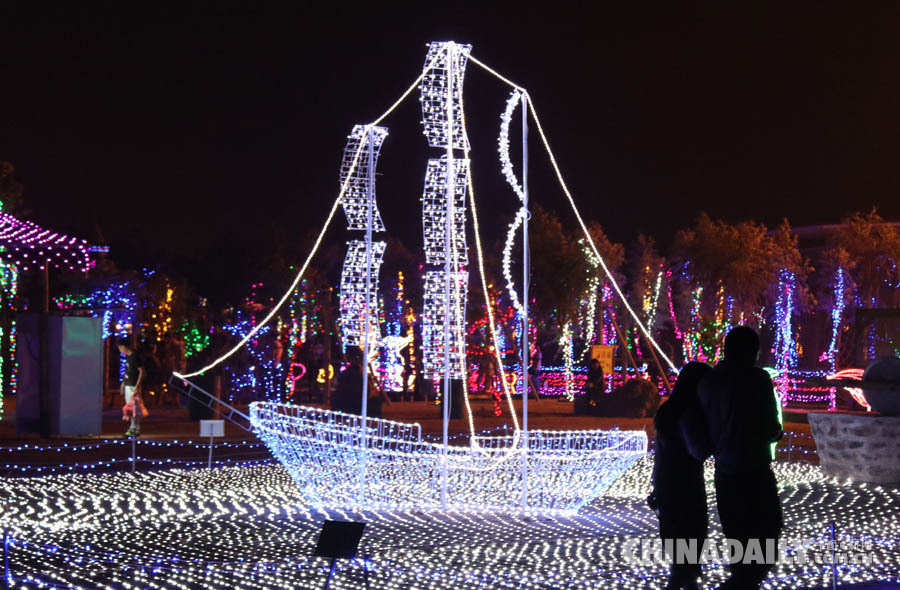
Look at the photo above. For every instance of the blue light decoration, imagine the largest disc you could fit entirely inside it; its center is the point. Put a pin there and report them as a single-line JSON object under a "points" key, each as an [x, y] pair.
{"points": [[258, 374], [47, 466], [837, 312], [785, 348], [116, 304]]}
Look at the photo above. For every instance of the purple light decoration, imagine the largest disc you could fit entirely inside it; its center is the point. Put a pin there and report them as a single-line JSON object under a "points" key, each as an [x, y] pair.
{"points": [[28, 245]]}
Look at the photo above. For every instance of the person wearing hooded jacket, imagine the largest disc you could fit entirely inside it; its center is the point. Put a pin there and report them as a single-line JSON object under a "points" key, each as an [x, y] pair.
{"points": [[679, 492]]}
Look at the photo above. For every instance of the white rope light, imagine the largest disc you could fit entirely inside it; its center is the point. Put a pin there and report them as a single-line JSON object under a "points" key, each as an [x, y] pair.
{"points": [[506, 165], [506, 261]]}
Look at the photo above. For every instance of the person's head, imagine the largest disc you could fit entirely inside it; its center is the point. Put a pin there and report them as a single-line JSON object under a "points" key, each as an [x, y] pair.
{"points": [[593, 365], [742, 346], [684, 394], [124, 346], [354, 356], [688, 380]]}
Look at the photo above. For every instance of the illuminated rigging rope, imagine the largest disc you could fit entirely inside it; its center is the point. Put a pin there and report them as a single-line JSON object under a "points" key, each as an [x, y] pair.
{"points": [[316, 244], [571, 200], [487, 299]]}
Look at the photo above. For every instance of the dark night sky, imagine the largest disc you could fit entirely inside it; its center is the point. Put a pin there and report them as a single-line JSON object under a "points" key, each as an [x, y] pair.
{"points": [[170, 134]]}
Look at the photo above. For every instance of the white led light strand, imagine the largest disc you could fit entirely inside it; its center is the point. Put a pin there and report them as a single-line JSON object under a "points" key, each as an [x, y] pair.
{"points": [[568, 353], [506, 165], [507, 259]]}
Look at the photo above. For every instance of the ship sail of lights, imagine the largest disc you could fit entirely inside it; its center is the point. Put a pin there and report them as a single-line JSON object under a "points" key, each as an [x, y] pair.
{"points": [[344, 461]]}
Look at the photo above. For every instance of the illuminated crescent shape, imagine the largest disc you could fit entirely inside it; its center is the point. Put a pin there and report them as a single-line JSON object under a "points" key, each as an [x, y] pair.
{"points": [[505, 162], [507, 258]]}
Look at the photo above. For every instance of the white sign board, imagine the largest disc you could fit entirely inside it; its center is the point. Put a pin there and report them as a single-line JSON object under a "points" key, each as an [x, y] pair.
{"points": [[212, 427]]}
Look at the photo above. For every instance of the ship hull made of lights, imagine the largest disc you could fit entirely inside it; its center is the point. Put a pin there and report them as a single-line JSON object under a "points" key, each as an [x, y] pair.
{"points": [[325, 452]]}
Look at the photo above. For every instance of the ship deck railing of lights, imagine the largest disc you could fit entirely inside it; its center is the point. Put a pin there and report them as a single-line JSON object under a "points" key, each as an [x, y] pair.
{"points": [[323, 450]]}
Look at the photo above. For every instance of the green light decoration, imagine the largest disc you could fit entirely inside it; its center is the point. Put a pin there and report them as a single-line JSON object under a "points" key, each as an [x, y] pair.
{"points": [[194, 340], [9, 286], [773, 374]]}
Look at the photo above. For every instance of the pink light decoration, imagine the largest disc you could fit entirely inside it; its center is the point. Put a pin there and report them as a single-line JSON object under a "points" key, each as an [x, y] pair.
{"points": [[28, 245], [855, 392]]}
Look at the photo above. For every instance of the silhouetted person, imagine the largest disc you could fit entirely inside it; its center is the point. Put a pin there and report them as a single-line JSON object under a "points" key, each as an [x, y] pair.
{"points": [[741, 413], [679, 494], [198, 410], [594, 386], [348, 394]]}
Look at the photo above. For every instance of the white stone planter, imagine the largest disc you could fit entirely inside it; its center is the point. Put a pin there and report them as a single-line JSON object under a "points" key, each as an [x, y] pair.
{"points": [[861, 447]]}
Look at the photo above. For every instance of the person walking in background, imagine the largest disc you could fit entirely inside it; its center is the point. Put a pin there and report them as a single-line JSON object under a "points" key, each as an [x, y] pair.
{"points": [[534, 371], [741, 414], [594, 386], [134, 408], [679, 492]]}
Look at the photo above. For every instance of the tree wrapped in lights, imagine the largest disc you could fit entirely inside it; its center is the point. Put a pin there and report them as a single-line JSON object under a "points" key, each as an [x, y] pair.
{"points": [[861, 268], [647, 272], [727, 275], [258, 373]]}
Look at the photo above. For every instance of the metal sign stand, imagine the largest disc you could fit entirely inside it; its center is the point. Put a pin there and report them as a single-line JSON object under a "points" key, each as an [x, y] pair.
{"points": [[211, 428]]}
